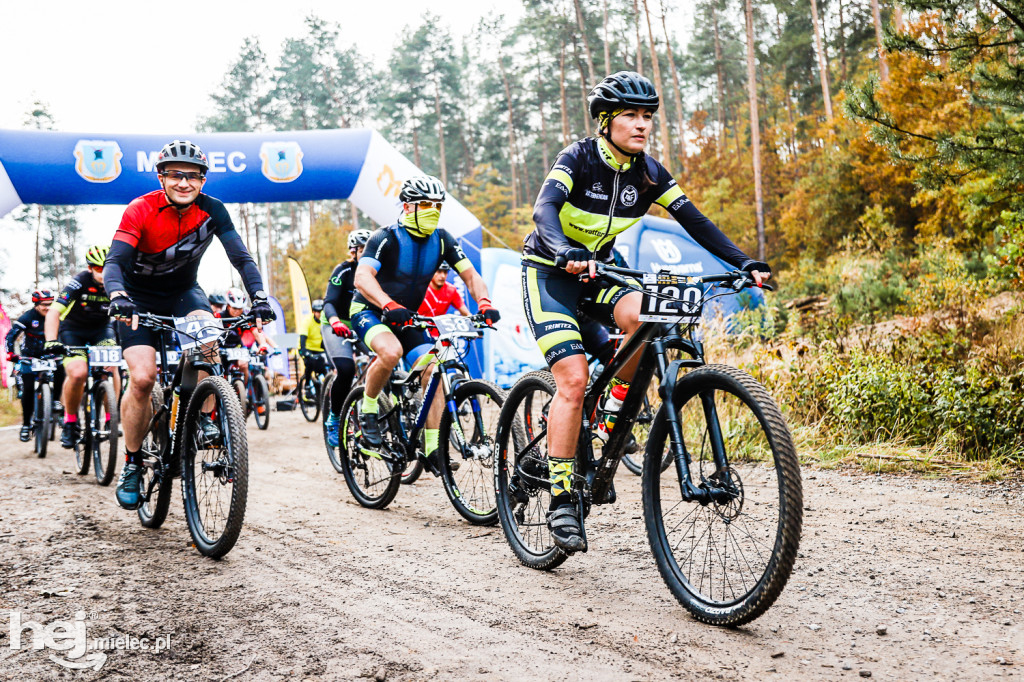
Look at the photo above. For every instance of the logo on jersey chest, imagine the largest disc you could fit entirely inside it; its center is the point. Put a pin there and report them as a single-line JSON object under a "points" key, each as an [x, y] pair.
{"points": [[629, 195], [596, 191], [282, 161], [98, 160]]}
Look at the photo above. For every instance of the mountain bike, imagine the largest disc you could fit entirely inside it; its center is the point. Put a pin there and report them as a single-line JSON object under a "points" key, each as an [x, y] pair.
{"points": [[362, 357], [309, 391], [253, 392], [214, 473], [44, 417], [723, 519], [465, 451], [98, 413]]}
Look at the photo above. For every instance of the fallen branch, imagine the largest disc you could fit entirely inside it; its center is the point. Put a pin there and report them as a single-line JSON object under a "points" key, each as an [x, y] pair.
{"points": [[923, 460], [232, 675]]}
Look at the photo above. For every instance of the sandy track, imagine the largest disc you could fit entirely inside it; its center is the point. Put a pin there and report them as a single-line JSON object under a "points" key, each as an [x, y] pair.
{"points": [[320, 588]]}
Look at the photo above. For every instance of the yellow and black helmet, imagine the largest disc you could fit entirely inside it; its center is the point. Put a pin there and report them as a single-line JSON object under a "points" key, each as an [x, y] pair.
{"points": [[97, 254]]}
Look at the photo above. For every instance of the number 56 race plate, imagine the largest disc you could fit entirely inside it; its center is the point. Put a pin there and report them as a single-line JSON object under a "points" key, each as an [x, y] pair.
{"points": [[671, 298]]}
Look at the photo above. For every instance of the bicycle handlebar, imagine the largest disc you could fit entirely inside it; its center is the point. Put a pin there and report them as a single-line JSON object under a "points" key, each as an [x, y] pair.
{"points": [[739, 279]]}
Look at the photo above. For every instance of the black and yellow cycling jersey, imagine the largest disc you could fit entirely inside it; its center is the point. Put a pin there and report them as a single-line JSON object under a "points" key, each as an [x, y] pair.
{"points": [[83, 303], [588, 198]]}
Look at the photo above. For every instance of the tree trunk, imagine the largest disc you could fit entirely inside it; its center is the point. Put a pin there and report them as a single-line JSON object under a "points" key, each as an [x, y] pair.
{"points": [[842, 42], [675, 81], [566, 140], [440, 132], [268, 262], [585, 108], [540, 101], [312, 218], [639, 43], [755, 131], [586, 43], [416, 144], [822, 65], [720, 79], [666, 147], [897, 17], [39, 232], [607, 48], [511, 140], [355, 215], [883, 62]]}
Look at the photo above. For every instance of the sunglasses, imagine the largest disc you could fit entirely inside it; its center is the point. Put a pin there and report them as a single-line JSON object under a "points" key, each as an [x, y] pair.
{"points": [[430, 204], [178, 176]]}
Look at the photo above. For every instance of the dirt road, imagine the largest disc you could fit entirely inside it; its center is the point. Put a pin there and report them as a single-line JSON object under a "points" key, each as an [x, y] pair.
{"points": [[319, 588]]}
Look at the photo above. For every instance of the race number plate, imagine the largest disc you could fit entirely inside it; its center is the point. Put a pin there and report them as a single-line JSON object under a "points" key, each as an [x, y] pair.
{"points": [[237, 354], [172, 357], [197, 330], [105, 356], [671, 298], [44, 365], [454, 324]]}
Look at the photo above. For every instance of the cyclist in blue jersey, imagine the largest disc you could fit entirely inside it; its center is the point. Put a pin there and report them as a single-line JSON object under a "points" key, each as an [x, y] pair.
{"points": [[597, 188], [391, 280]]}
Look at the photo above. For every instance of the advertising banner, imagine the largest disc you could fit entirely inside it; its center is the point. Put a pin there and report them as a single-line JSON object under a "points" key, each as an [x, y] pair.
{"points": [[511, 351]]}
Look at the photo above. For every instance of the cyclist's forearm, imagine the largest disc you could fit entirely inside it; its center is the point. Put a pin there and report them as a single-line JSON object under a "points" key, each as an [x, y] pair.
{"points": [[476, 285], [366, 283], [118, 262], [52, 324], [707, 234]]}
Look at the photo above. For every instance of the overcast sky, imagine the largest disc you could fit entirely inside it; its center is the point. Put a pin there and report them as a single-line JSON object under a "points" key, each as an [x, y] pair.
{"points": [[138, 67]]}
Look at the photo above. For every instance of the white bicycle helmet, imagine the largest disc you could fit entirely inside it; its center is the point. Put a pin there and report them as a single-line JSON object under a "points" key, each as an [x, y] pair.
{"points": [[236, 298], [421, 188], [358, 238]]}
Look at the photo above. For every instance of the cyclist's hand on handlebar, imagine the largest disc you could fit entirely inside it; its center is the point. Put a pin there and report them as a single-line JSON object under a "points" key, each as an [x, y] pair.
{"points": [[55, 348], [124, 309], [262, 311], [396, 316], [575, 261], [340, 329], [12, 357], [761, 272]]}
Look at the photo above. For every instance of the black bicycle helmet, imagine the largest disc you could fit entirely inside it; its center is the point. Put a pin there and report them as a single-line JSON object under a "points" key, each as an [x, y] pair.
{"points": [[218, 299], [182, 151], [422, 188], [622, 90]]}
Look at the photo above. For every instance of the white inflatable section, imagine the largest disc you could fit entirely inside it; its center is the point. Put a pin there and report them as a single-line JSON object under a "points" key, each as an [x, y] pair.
{"points": [[376, 189], [9, 199]]}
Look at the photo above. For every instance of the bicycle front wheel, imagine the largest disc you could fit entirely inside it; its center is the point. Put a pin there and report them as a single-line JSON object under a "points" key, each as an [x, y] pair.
{"points": [[308, 392], [104, 431], [726, 559], [214, 470], [469, 442], [261, 401], [325, 409], [522, 491], [43, 418], [157, 469], [372, 481]]}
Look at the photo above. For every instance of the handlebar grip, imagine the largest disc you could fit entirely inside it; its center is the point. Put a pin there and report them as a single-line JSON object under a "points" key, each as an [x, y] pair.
{"points": [[561, 261]]}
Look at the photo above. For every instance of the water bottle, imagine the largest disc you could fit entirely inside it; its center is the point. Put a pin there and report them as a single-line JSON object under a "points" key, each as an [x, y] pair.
{"points": [[610, 409]]}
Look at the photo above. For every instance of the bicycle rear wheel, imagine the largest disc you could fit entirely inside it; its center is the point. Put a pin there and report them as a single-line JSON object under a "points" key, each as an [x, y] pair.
{"points": [[522, 491], [308, 392], [214, 473], [728, 560], [372, 481], [158, 471], [42, 418], [333, 454], [470, 441], [104, 433], [261, 401], [243, 399]]}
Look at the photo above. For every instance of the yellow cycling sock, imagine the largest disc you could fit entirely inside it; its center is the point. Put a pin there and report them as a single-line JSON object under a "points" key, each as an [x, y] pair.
{"points": [[430, 438], [369, 405], [560, 471]]}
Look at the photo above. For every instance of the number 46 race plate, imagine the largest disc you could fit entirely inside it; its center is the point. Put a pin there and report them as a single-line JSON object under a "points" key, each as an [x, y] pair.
{"points": [[671, 298]]}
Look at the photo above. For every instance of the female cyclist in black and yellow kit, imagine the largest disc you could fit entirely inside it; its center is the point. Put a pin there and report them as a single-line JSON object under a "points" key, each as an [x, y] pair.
{"points": [[597, 188]]}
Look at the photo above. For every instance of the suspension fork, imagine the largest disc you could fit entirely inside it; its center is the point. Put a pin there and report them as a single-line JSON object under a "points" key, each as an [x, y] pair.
{"points": [[669, 376]]}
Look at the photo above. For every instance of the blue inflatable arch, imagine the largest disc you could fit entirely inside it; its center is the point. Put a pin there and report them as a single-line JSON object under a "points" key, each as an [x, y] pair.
{"points": [[43, 167]]}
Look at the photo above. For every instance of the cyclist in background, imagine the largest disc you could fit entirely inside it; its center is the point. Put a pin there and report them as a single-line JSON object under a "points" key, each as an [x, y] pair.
{"points": [[339, 344], [441, 295], [152, 267], [391, 281], [79, 317], [597, 188], [311, 343], [246, 336], [217, 303], [31, 324]]}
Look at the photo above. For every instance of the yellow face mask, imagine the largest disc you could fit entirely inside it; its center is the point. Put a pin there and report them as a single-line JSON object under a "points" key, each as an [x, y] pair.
{"points": [[422, 221]]}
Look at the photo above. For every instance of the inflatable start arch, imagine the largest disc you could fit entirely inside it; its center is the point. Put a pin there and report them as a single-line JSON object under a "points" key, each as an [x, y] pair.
{"points": [[43, 167]]}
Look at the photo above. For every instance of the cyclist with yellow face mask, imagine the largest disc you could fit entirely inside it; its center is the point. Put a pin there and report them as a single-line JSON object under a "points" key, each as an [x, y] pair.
{"points": [[391, 280]]}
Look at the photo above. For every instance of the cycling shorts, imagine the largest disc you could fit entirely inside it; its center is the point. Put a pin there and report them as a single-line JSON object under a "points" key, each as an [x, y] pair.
{"points": [[416, 343], [178, 305], [102, 336], [566, 315]]}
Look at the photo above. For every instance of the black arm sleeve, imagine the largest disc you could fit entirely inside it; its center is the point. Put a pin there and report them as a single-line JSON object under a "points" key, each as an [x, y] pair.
{"points": [[339, 289], [553, 195], [243, 262], [12, 336], [302, 343], [119, 261]]}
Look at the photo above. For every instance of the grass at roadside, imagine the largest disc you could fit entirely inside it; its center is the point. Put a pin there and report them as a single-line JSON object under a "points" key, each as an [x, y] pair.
{"points": [[10, 410]]}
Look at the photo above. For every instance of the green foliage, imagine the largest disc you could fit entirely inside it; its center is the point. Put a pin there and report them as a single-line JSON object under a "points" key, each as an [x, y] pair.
{"points": [[1007, 258]]}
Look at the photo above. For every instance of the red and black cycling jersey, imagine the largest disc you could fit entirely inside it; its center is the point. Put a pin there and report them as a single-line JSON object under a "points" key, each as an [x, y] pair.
{"points": [[30, 324], [157, 248], [83, 304]]}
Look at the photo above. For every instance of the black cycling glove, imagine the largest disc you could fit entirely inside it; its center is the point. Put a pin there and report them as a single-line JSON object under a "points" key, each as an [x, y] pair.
{"points": [[396, 316], [122, 307], [54, 348], [261, 309], [567, 254]]}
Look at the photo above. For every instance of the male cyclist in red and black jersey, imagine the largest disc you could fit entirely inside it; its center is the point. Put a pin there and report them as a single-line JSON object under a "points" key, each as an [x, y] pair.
{"points": [[597, 188], [152, 267]]}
